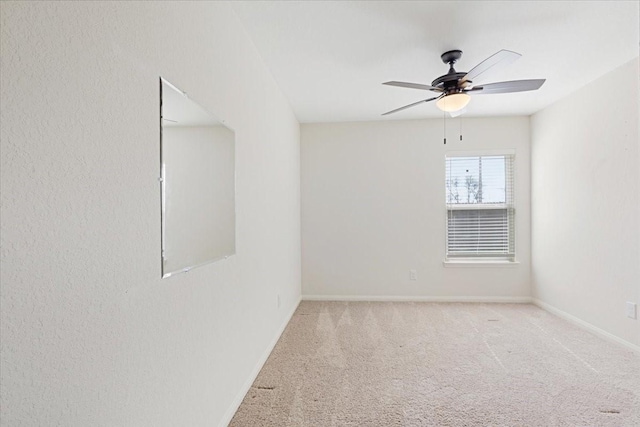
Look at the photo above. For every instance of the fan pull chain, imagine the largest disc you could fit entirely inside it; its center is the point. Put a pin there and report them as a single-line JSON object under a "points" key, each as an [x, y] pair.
{"points": [[461, 127], [444, 126]]}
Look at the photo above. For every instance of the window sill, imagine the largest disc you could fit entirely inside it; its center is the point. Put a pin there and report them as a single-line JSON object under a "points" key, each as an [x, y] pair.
{"points": [[480, 264]]}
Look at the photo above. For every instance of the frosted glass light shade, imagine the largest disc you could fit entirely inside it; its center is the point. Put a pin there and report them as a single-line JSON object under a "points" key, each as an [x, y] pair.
{"points": [[453, 102]]}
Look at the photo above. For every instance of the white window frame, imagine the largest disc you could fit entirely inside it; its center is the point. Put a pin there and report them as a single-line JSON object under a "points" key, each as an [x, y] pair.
{"points": [[488, 261]]}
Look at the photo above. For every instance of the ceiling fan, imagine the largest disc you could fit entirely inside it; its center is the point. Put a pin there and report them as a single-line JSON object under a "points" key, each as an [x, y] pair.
{"points": [[454, 88]]}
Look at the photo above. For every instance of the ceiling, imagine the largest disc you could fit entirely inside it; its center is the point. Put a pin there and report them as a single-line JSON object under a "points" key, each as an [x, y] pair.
{"points": [[330, 58]]}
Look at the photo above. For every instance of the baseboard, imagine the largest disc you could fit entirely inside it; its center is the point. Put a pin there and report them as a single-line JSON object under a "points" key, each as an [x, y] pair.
{"points": [[400, 298], [256, 370], [585, 325]]}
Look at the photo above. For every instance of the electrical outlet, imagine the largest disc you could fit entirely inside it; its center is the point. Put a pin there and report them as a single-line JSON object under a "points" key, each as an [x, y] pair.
{"points": [[632, 310], [278, 300], [413, 275]]}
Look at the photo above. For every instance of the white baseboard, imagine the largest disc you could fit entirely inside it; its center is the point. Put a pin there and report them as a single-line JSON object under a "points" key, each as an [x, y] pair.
{"points": [[585, 325], [399, 298], [256, 370]]}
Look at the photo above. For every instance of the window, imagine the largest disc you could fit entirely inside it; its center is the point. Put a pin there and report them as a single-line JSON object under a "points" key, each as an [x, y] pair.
{"points": [[480, 207]]}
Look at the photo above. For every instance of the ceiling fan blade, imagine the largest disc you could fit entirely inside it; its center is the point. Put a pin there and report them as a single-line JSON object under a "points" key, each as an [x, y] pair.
{"points": [[498, 59], [409, 106], [458, 113], [508, 87], [413, 86]]}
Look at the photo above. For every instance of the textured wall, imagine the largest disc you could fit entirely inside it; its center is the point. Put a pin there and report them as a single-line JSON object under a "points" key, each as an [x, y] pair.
{"points": [[586, 203], [373, 208], [90, 333]]}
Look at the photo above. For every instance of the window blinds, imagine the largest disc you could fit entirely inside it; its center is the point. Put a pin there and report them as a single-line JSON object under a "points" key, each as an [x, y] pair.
{"points": [[480, 206]]}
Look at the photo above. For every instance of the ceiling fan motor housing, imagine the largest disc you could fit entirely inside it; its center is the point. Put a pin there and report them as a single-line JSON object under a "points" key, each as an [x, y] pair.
{"points": [[449, 81]]}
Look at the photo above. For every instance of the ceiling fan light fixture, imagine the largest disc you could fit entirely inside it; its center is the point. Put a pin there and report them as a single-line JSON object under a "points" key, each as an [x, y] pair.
{"points": [[453, 102]]}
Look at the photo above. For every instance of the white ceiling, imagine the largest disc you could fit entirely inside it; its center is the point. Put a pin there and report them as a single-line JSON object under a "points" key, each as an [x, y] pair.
{"points": [[330, 58]]}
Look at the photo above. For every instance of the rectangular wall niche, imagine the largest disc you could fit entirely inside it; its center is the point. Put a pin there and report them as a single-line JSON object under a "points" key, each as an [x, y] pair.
{"points": [[197, 184]]}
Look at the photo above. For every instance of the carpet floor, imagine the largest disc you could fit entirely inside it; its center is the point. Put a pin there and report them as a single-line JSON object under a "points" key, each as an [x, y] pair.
{"points": [[440, 364]]}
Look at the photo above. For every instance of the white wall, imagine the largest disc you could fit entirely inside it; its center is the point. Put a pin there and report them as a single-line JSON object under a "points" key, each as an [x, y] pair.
{"points": [[90, 333], [586, 203], [373, 208]]}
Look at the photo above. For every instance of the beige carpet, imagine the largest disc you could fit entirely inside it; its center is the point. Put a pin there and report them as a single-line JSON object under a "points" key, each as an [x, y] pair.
{"points": [[436, 364]]}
